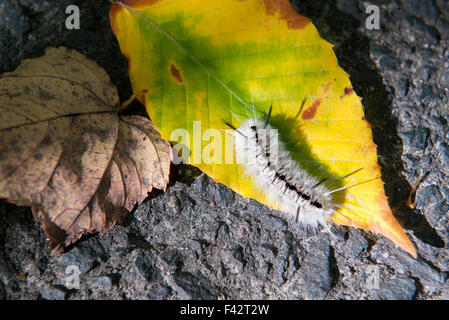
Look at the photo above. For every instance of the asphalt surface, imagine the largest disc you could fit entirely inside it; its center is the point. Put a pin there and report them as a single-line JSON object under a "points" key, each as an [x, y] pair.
{"points": [[199, 239]]}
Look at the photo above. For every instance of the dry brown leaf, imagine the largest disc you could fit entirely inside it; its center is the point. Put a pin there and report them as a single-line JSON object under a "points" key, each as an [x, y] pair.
{"points": [[66, 152]]}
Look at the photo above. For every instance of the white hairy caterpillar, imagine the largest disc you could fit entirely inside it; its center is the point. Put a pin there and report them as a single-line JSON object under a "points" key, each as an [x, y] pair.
{"points": [[269, 165]]}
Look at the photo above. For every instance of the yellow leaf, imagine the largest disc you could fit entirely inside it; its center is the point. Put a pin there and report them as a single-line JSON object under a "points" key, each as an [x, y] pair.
{"points": [[196, 64]]}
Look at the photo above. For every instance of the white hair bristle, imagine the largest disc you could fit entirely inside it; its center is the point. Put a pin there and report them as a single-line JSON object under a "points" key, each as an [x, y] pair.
{"points": [[273, 171]]}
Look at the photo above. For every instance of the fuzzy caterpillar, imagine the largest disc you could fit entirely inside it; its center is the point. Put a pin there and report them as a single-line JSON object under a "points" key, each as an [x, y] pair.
{"points": [[284, 182]]}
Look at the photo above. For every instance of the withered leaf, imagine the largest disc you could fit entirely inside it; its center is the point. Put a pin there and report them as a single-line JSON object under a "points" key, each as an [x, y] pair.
{"points": [[66, 152]]}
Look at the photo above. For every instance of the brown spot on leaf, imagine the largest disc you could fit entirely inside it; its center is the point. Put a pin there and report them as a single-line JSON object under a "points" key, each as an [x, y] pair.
{"points": [[286, 12], [45, 95], [348, 90], [365, 150], [176, 73], [327, 86], [139, 4], [310, 112], [139, 96]]}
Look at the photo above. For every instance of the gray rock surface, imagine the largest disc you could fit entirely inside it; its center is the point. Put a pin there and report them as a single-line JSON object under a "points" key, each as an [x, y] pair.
{"points": [[200, 240]]}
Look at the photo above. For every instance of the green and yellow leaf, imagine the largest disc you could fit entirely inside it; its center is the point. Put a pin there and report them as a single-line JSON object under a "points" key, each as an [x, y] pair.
{"points": [[197, 63]]}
